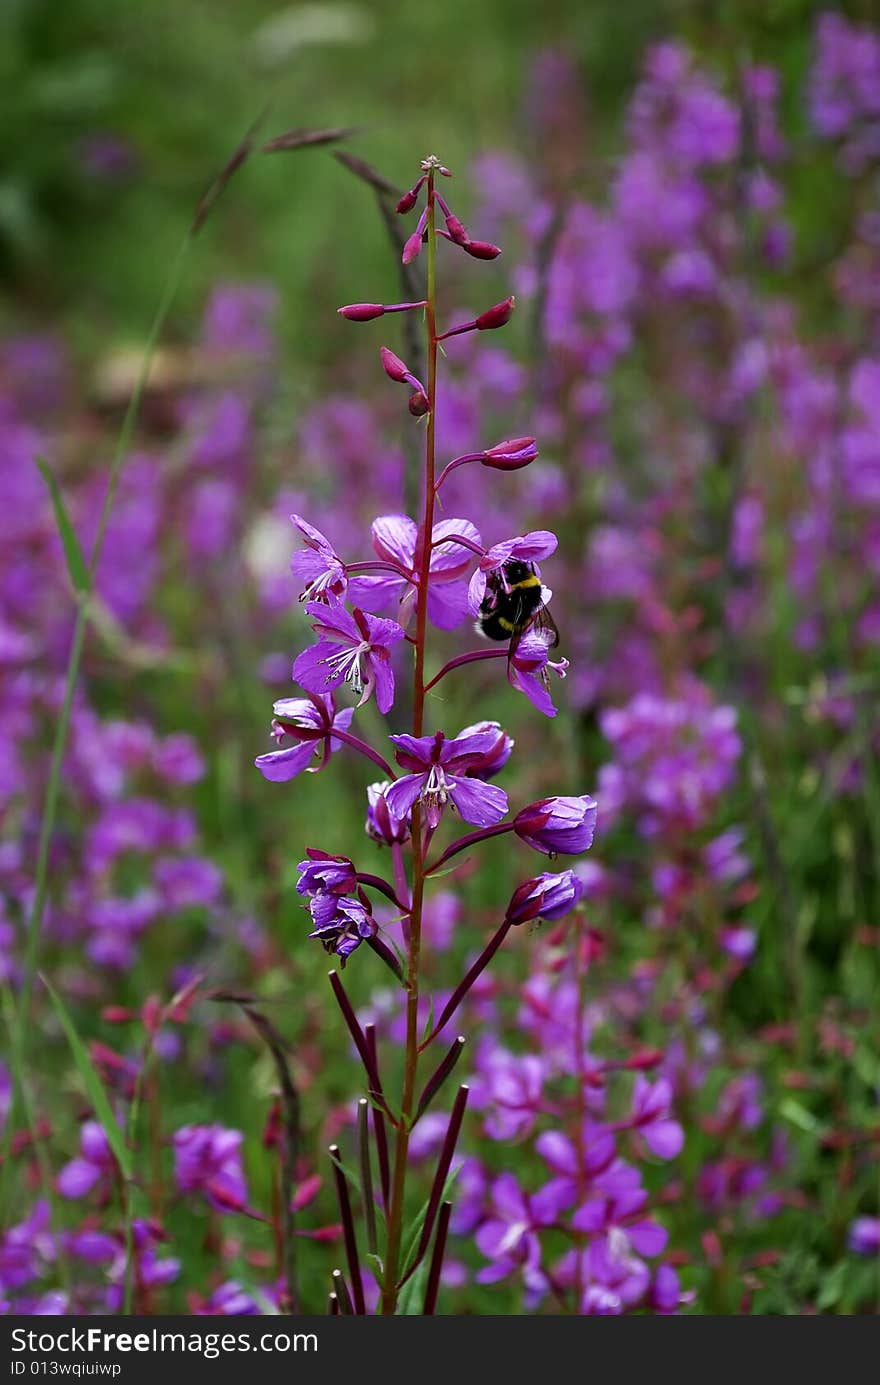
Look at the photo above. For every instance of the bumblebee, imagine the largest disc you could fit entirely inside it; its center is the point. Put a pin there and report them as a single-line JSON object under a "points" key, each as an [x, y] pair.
{"points": [[514, 603]]}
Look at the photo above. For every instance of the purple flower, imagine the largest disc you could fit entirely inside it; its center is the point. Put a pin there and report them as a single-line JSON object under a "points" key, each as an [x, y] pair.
{"points": [[619, 1236], [509, 1237], [649, 1114], [335, 874], [341, 923], [864, 1236], [544, 896], [383, 825], [324, 575], [229, 1300], [509, 1088], [310, 721], [316, 566], [25, 1247], [207, 1159], [573, 1165], [527, 669], [95, 1164], [441, 773], [396, 541], [352, 648], [556, 825], [526, 548]]}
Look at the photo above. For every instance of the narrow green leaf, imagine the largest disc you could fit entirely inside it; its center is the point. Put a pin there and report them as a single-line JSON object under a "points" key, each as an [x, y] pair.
{"points": [[76, 563], [414, 1230], [412, 1295], [93, 1085]]}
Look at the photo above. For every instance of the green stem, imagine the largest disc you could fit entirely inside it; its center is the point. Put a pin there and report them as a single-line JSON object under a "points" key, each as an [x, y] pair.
{"points": [[398, 1186]]}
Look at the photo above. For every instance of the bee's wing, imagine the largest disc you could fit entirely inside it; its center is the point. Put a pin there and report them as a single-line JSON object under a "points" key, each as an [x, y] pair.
{"points": [[539, 621]]}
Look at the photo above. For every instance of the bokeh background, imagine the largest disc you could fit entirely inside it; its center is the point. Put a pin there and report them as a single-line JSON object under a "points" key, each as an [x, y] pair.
{"points": [[697, 346]]}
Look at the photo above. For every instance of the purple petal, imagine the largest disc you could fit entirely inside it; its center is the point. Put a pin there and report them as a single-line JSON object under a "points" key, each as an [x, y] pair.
{"points": [[647, 1237], [383, 631], [448, 604], [311, 669], [313, 537], [540, 543], [555, 1197], [278, 766], [414, 748], [343, 721], [77, 1178], [664, 1138], [477, 802], [374, 593], [476, 591], [453, 558], [394, 539], [558, 1151], [335, 622], [534, 690], [402, 794], [384, 679]]}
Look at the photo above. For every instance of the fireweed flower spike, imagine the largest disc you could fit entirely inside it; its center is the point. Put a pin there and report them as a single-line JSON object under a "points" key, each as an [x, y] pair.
{"points": [[309, 722], [441, 775], [352, 648], [425, 573]]}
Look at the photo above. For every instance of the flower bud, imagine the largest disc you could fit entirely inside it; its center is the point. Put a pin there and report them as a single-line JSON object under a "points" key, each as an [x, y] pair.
{"points": [[419, 404], [383, 825], [412, 248], [394, 367], [409, 199], [558, 824], [457, 230], [545, 896], [480, 249], [511, 454], [361, 312], [495, 316]]}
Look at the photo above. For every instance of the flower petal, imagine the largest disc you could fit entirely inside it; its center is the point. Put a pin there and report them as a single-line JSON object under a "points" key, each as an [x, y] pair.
{"points": [[394, 539], [477, 802], [278, 766], [402, 794]]}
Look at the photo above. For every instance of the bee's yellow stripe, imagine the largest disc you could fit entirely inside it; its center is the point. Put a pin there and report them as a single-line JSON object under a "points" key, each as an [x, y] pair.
{"points": [[505, 624], [526, 582]]}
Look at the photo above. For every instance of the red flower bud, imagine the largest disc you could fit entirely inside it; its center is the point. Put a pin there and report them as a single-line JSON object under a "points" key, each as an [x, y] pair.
{"points": [[394, 367], [361, 312], [418, 404], [409, 199], [511, 454], [457, 230], [495, 316], [412, 247], [480, 249]]}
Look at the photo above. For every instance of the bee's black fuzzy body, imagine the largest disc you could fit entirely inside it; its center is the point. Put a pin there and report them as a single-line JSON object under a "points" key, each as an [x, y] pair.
{"points": [[513, 599]]}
